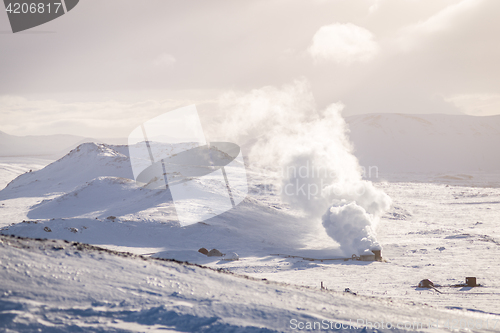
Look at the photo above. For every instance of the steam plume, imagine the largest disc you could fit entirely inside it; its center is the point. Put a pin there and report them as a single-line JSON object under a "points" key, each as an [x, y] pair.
{"points": [[311, 153]]}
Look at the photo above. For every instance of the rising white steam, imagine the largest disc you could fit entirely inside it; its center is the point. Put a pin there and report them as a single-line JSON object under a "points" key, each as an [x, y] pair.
{"points": [[311, 151], [352, 227]]}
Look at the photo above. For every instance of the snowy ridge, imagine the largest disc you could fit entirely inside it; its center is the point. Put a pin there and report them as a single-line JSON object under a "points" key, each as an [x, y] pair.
{"points": [[80, 165]]}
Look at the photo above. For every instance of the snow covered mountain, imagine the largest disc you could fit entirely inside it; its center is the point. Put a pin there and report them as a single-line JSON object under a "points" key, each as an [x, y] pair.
{"points": [[426, 143], [80, 166]]}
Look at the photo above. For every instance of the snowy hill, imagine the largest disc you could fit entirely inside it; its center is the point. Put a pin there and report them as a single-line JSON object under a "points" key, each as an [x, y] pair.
{"points": [[400, 143], [81, 287], [81, 165], [91, 190], [101, 198]]}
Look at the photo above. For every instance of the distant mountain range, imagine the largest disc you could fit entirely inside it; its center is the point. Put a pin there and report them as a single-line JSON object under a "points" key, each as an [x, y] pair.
{"points": [[426, 143], [394, 143], [49, 146]]}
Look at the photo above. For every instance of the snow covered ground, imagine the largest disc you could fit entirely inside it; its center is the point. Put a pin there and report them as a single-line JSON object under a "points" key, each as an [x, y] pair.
{"points": [[433, 231], [55, 286]]}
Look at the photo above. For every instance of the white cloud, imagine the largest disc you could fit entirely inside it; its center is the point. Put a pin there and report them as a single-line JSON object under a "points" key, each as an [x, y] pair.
{"points": [[476, 104], [444, 20], [343, 43]]}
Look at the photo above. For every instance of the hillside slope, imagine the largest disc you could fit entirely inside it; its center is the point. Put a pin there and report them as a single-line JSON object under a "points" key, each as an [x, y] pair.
{"points": [[59, 287]]}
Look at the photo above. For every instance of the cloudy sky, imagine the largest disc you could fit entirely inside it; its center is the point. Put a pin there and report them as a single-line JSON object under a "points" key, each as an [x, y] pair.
{"points": [[107, 66]]}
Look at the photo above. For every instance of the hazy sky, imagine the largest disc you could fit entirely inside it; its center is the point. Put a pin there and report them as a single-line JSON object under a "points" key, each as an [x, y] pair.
{"points": [[109, 65]]}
